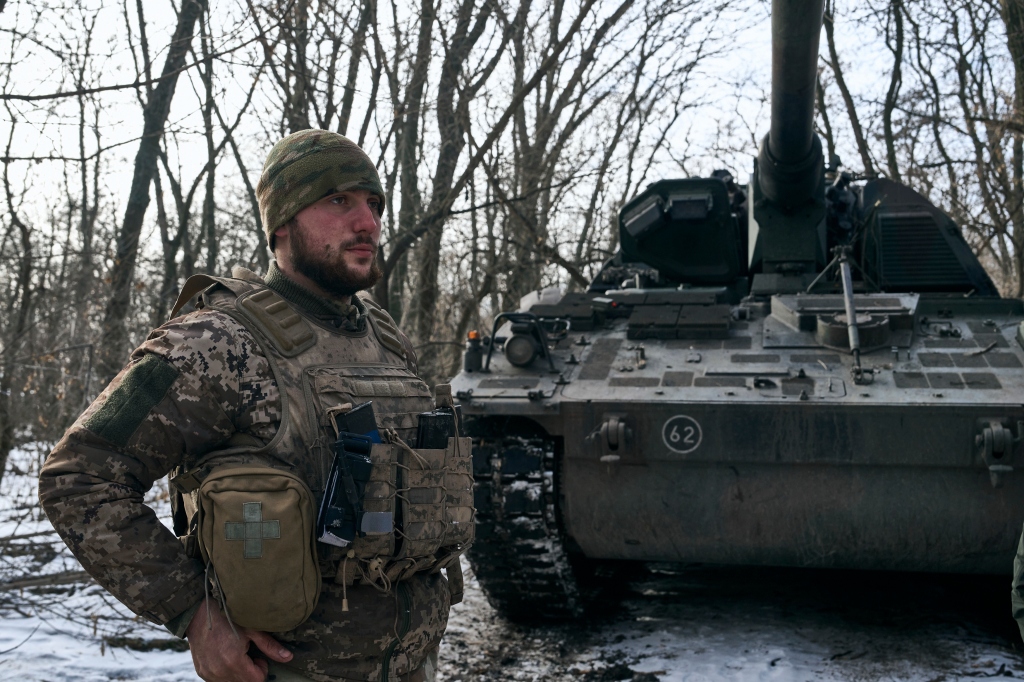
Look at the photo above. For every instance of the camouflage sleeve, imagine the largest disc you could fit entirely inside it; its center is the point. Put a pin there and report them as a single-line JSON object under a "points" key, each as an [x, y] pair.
{"points": [[194, 382], [1017, 588]]}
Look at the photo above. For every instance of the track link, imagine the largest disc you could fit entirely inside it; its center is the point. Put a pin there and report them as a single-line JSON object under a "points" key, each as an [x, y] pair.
{"points": [[519, 556]]}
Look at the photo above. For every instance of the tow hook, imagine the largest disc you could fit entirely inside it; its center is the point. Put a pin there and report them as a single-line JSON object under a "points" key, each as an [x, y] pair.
{"points": [[994, 440]]}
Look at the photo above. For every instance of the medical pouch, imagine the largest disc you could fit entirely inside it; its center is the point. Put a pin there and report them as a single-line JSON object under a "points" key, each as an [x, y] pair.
{"points": [[256, 527]]}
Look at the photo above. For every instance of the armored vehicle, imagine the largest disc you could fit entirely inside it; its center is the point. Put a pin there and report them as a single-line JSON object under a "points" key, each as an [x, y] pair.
{"points": [[812, 370]]}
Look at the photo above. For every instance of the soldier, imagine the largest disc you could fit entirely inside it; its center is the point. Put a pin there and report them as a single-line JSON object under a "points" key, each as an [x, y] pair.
{"points": [[253, 375], [1017, 587]]}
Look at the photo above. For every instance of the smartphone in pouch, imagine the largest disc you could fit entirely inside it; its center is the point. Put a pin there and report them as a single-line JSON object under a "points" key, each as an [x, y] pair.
{"points": [[359, 420], [341, 517]]}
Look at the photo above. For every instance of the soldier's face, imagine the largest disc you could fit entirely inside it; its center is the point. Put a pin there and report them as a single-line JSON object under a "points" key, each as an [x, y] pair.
{"points": [[334, 242]]}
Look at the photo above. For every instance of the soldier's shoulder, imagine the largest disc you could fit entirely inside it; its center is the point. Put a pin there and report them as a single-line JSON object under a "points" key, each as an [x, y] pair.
{"points": [[204, 331], [208, 322]]}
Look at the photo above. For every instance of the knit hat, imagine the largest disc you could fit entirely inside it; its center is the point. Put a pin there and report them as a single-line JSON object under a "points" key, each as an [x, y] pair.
{"points": [[305, 167]]}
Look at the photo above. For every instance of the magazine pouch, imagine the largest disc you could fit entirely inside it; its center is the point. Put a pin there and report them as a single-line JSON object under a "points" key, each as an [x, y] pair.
{"points": [[436, 498]]}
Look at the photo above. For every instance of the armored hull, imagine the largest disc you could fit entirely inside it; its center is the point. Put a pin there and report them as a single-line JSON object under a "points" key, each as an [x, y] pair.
{"points": [[759, 448], [747, 454]]}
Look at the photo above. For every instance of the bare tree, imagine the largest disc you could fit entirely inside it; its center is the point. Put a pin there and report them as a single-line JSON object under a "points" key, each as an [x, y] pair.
{"points": [[453, 101], [114, 339], [19, 306], [441, 203], [851, 108], [564, 137]]}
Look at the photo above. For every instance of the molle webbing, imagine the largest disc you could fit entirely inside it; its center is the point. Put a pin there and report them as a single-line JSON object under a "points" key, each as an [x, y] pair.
{"points": [[430, 491], [263, 307]]}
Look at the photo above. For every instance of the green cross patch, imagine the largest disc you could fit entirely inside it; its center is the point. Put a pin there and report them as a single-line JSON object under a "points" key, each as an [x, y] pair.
{"points": [[253, 531]]}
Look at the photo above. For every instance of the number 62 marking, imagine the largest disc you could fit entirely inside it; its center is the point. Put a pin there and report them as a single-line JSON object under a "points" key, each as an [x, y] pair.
{"points": [[682, 434]]}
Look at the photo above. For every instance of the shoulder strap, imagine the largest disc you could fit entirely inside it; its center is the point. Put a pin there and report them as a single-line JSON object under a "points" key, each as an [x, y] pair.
{"points": [[384, 327], [263, 308], [276, 320], [195, 285]]}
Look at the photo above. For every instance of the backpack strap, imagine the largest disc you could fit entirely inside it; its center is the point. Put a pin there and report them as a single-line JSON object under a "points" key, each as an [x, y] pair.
{"points": [[456, 582]]}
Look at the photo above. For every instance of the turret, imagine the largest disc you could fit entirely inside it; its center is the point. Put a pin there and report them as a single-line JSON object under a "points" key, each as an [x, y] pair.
{"points": [[787, 228]]}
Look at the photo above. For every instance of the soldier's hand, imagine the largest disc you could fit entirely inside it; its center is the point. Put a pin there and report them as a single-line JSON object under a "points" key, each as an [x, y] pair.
{"points": [[220, 656]]}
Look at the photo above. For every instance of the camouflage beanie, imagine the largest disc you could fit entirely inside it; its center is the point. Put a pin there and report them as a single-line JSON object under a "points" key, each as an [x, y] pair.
{"points": [[305, 167]]}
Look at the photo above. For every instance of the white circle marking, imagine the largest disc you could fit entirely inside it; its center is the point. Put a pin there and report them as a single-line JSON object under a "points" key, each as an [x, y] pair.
{"points": [[682, 434]]}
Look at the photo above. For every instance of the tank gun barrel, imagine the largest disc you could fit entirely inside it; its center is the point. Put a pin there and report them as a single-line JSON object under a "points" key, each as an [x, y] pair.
{"points": [[790, 161]]}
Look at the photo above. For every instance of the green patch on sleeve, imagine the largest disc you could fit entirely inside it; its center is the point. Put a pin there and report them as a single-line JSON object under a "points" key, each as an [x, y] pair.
{"points": [[142, 387]]}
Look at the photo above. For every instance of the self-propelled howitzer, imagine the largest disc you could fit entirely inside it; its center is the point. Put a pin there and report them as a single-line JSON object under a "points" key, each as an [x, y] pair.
{"points": [[811, 370]]}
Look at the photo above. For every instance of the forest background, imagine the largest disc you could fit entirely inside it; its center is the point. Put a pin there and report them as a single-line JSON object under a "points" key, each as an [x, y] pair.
{"points": [[507, 133]]}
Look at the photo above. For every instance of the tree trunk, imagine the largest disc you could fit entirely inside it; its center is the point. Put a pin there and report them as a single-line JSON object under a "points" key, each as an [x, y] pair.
{"points": [[453, 139], [209, 208], [407, 157], [1013, 17], [893, 94], [297, 111], [262, 250], [851, 109], [114, 337], [87, 210], [358, 45], [23, 292], [169, 280], [830, 140]]}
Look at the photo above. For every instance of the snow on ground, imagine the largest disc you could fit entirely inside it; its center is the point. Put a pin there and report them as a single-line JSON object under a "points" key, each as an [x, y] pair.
{"points": [[744, 624], [67, 628], [673, 624]]}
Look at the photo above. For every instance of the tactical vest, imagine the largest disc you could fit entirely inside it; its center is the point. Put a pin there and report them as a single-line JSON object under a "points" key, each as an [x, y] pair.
{"points": [[320, 371]]}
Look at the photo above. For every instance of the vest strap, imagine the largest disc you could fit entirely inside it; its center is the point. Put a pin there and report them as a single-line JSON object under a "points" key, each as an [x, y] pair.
{"points": [[387, 330], [278, 322], [184, 482], [188, 481], [195, 284], [456, 582]]}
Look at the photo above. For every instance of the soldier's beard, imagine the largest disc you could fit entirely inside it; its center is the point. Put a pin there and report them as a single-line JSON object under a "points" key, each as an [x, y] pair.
{"points": [[328, 267]]}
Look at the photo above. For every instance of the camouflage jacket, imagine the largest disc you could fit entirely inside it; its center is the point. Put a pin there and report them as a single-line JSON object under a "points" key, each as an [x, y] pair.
{"points": [[1017, 588], [195, 382]]}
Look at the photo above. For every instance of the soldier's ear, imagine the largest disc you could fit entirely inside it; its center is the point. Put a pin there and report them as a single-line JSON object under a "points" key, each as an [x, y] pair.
{"points": [[279, 232]]}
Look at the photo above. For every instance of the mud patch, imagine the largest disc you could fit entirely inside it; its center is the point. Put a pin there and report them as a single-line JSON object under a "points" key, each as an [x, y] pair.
{"points": [[745, 624]]}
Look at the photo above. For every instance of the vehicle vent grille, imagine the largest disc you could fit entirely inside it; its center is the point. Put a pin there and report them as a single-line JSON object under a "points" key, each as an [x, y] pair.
{"points": [[914, 254]]}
